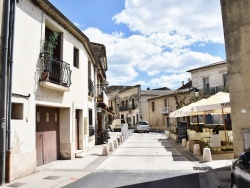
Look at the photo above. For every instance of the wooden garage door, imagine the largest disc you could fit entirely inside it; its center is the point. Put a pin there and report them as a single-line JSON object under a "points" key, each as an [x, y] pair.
{"points": [[47, 134]]}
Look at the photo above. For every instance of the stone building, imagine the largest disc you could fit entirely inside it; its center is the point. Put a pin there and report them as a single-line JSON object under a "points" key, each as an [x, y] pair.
{"points": [[130, 102], [235, 16], [210, 78], [161, 106]]}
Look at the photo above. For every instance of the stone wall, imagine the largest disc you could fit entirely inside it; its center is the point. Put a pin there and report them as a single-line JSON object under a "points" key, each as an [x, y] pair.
{"points": [[236, 16]]}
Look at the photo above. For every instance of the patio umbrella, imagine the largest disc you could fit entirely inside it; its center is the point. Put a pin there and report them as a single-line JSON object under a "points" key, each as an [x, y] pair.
{"points": [[187, 110], [216, 104]]}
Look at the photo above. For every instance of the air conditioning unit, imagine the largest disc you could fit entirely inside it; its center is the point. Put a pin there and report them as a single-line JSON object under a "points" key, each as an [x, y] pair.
{"points": [[98, 109]]}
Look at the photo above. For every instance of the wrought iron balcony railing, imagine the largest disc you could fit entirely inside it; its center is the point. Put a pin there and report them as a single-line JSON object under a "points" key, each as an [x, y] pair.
{"points": [[55, 71], [128, 107], [214, 90], [165, 110]]}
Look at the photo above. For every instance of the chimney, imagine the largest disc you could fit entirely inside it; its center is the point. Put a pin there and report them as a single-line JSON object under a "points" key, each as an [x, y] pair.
{"points": [[182, 83]]}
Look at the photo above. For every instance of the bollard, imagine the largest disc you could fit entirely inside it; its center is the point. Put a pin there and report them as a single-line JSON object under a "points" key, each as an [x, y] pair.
{"points": [[184, 142], [187, 145], [115, 143], [207, 157], [119, 141], [121, 138], [105, 150], [197, 150], [111, 146]]}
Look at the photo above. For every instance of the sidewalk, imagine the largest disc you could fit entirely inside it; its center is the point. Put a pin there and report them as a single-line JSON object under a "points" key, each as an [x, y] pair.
{"points": [[63, 172], [219, 169]]}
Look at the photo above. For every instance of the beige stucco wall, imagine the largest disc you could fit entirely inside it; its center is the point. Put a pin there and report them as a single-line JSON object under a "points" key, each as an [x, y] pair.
{"points": [[157, 118], [128, 95], [29, 32], [144, 107], [236, 15], [214, 73]]}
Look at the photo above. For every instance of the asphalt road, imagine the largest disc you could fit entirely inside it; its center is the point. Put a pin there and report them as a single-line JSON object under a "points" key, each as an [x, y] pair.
{"points": [[148, 160]]}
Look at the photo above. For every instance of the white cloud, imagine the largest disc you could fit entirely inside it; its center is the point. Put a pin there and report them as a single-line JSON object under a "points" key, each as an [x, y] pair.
{"points": [[77, 24], [127, 56], [201, 20], [162, 48], [173, 81]]}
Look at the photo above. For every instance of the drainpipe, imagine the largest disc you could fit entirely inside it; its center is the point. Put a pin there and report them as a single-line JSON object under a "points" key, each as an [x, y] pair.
{"points": [[10, 67], [3, 90]]}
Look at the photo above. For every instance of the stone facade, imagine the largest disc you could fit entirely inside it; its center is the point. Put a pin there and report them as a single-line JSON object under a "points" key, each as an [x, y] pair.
{"points": [[131, 102], [236, 15], [160, 107]]}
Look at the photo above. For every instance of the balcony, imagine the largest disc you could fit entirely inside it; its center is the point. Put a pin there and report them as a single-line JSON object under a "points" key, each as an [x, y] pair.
{"points": [[103, 98], [128, 107], [55, 74], [214, 90], [165, 110]]}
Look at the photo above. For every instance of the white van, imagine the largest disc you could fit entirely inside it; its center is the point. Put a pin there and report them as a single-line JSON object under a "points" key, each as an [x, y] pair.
{"points": [[117, 124]]}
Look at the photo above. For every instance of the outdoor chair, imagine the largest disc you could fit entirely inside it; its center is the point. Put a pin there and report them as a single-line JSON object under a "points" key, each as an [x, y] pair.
{"points": [[215, 142]]}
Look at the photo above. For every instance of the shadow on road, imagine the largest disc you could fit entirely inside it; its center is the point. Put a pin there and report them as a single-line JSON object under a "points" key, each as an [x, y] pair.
{"points": [[186, 181]]}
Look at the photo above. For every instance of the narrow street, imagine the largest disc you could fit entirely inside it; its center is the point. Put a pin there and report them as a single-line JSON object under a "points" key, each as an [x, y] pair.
{"points": [[149, 160]]}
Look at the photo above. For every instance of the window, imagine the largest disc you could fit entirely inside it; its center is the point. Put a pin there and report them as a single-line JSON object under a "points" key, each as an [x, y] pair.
{"points": [[17, 111], [153, 106], [206, 83], [76, 57], [133, 103], [165, 102], [225, 79], [122, 104], [90, 117]]}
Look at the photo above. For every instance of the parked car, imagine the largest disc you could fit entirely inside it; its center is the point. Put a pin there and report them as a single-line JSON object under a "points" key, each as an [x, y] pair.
{"points": [[240, 171], [142, 126]]}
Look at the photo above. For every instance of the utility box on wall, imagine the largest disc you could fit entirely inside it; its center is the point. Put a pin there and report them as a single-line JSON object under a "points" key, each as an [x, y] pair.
{"points": [[246, 139]]}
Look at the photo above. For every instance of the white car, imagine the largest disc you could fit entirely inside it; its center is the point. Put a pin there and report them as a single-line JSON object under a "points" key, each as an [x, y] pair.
{"points": [[142, 126]]}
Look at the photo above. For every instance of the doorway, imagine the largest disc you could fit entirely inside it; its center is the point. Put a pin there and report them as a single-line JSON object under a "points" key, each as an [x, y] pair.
{"points": [[47, 135]]}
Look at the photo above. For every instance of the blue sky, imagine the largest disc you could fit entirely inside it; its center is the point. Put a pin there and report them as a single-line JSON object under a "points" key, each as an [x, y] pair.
{"points": [[152, 43]]}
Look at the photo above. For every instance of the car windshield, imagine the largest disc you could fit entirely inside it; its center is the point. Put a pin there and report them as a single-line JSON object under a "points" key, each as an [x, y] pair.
{"points": [[143, 123]]}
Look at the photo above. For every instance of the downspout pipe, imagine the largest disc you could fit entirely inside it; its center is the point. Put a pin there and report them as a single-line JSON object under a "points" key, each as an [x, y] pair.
{"points": [[3, 90], [10, 67]]}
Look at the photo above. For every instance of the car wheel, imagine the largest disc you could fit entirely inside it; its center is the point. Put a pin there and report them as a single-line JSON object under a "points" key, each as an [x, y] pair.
{"points": [[234, 183]]}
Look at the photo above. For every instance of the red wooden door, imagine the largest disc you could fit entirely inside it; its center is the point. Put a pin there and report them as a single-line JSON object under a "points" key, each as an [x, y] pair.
{"points": [[47, 134]]}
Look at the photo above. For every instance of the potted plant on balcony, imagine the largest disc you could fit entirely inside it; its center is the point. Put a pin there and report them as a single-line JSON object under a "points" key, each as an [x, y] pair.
{"points": [[49, 45]]}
